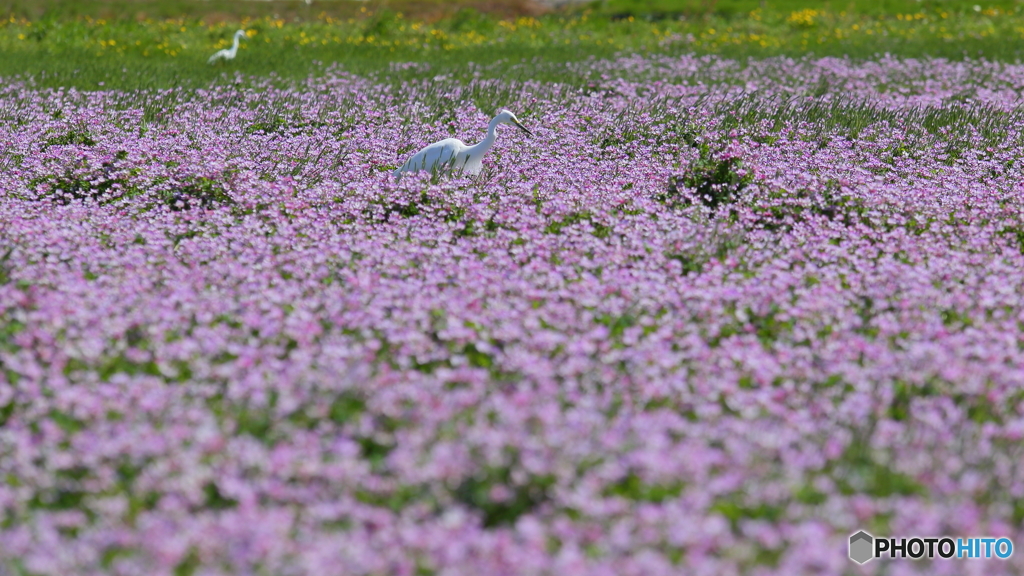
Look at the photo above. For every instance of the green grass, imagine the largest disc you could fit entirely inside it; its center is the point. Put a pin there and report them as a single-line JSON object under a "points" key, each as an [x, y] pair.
{"points": [[691, 8], [431, 10], [90, 53], [234, 10]]}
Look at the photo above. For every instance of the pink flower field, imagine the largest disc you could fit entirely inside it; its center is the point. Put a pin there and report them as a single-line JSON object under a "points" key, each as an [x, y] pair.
{"points": [[712, 319]]}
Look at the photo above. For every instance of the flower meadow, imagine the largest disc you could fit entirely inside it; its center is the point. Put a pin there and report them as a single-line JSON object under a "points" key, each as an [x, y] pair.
{"points": [[713, 318]]}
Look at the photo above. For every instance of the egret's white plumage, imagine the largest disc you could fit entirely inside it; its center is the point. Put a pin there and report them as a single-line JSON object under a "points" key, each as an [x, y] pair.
{"points": [[228, 53], [451, 154]]}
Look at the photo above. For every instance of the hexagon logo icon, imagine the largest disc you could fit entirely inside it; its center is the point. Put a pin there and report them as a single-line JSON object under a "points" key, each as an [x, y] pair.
{"points": [[861, 545]]}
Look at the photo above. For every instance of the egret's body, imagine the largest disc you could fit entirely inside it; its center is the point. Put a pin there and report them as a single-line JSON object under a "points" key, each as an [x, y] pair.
{"points": [[452, 154], [228, 53]]}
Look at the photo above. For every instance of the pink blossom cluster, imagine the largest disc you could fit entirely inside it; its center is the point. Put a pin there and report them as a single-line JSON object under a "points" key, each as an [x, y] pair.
{"points": [[231, 343]]}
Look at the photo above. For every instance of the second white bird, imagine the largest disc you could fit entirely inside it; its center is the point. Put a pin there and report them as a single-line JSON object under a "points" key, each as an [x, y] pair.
{"points": [[228, 53]]}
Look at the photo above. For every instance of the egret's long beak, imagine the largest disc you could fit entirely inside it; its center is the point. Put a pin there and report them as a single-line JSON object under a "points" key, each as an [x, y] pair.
{"points": [[521, 127]]}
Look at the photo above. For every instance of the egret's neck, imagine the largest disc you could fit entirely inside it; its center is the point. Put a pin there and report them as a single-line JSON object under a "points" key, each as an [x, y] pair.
{"points": [[484, 145], [234, 45]]}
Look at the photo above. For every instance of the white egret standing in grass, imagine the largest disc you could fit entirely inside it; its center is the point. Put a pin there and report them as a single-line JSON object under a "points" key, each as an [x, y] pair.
{"points": [[228, 53], [453, 154]]}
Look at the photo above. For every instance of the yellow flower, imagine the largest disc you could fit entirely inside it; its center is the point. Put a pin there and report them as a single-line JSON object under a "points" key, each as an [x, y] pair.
{"points": [[804, 18]]}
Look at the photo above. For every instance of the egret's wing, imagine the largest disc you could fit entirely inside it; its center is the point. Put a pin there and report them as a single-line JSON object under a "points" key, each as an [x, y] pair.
{"points": [[218, 55], [434, 156]]}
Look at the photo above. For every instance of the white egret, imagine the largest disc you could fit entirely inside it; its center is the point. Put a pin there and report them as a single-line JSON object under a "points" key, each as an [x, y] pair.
{"points": [[453, 154], [228, 53]]}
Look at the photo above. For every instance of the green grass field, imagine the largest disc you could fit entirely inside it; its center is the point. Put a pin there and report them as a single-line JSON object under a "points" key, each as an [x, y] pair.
{"points": [[97, 44], [691, 8], [431, 10]]}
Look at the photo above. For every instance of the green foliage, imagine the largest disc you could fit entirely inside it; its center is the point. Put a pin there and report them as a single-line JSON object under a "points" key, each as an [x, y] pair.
{"points": [[857, 471], [1018, 511], [70, 497], [290, 11], [735, 509], [71, 186], [1015, 234], [189, 565], [373, 450], [809, 495], [633, 488], [468, 19], [402, 210], [128, 54], [717, 245], [785, 208], [904, 393], [396, 499], [476, 358], [673, 9], [346, 408], [713, 179], [5, 277], [198, 193], [383, 23], [215, 500], [74, 137], [600, 230], [616, 325], [476, 493], [255, 422], [111, 554], [767, 327], [691, 263]]}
